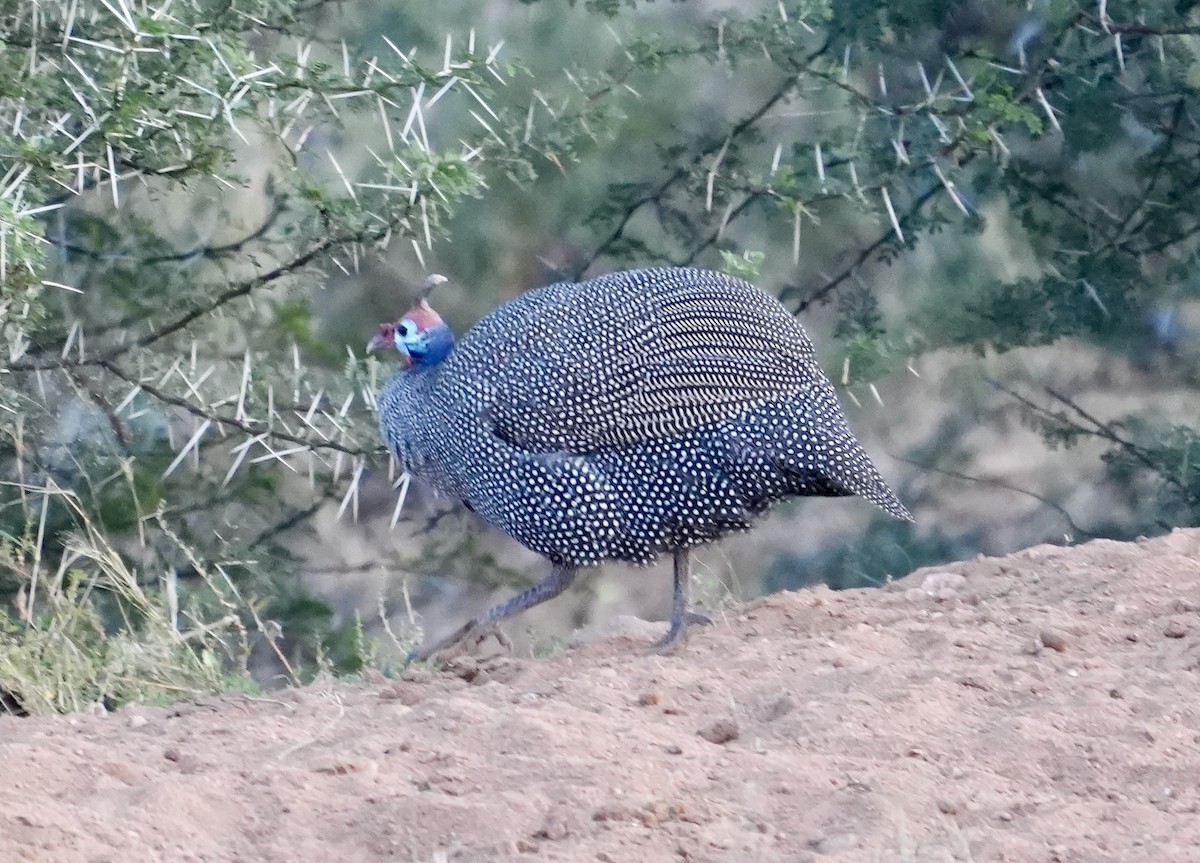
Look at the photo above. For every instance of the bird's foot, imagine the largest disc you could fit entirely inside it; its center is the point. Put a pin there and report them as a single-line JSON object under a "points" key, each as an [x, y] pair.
{"points": [[677, 633], [695, 617], [466, 639]]}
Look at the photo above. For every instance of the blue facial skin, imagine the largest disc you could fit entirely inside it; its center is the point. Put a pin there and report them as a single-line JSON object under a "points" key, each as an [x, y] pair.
{"points": [[424, 348]]}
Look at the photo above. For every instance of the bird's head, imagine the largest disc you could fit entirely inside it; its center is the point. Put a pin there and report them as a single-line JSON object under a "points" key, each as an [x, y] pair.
{"points": [[421, 337]]}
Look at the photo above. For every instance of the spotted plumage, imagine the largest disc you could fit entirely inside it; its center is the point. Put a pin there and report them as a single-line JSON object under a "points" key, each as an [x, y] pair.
{"points": [[633, 414]]}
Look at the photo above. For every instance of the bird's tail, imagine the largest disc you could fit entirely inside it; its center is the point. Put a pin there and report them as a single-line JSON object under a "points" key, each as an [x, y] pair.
{"points": [[863, 479]]}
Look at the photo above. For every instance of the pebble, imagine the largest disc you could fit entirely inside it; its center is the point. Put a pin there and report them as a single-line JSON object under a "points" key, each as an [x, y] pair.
{"points": [[834, 844], [721, 731], [1175, 628], [1054, 640], [561, 822], [937, 583], [779, 708], [463, 667]]}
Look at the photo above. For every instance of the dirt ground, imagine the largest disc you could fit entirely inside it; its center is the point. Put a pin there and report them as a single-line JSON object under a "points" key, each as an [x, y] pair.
{"points": [[1039, 707]]}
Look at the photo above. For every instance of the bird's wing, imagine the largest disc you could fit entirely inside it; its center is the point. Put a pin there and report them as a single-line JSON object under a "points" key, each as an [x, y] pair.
{"points": [[634, 357]]}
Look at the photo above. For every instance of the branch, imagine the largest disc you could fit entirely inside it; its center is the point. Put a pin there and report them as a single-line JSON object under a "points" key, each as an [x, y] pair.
{"points": [[630, 211], [235, 291], [105, 407], [1155, 174], [1105, 432], [1110, 26], [1099, 429], [822, 294], [1031, 85], [290, 521], [739, 129], [206, 252], [726, 221], [248, 426], [229, 248], [999, 483]]}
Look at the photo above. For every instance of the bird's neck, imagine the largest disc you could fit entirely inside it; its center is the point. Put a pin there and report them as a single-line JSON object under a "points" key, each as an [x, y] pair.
{"points": [[433, 349]]}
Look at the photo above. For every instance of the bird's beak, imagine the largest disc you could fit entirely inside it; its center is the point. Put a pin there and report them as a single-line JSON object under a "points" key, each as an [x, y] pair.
{"points": [[378, 342], [381, 342]]}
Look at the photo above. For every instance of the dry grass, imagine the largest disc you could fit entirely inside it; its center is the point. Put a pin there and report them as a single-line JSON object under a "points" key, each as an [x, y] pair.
{"points": [[94, 632]]}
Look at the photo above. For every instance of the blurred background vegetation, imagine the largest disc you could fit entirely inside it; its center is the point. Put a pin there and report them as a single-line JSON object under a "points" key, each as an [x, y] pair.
{"points": [[987, 214]]}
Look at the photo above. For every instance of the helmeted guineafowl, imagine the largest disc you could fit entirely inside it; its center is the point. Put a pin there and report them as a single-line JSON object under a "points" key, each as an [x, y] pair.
{"points": [[618, 418]]}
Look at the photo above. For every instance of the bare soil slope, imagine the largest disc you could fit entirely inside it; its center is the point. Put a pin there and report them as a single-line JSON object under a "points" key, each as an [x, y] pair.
{"points": [[1039, 707]]}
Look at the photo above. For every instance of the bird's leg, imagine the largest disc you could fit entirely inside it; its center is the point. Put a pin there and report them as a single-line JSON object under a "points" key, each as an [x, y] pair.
{"points": [[680, 615], [548, 588]]}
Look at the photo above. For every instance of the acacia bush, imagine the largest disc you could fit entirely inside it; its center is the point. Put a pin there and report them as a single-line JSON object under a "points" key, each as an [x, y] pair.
{"points": [[172, 191], [177, 179]]}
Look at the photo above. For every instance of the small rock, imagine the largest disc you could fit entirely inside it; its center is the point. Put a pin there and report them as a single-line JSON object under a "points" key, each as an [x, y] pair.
{"points": [[947, 807], [720, 732], [172, 754], [401, 692], [674, 750], [943, 585], [1054, 640], [658, 813], [778, 708], [835, 844], [416, 674], [561, 822], [1175, 628], [137, 721], [649, 699], [345, 768], [611, 813], [463, 667]]}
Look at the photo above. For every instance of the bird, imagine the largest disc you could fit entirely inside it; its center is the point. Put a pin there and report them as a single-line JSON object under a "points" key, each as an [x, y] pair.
{"points": [[619, 418]]}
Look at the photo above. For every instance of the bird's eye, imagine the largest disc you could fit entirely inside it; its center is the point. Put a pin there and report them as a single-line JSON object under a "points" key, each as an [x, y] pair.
{"points": [[406, 328]]}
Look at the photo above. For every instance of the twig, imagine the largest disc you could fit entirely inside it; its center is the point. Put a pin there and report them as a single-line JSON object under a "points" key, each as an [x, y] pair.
{"points": [[999, 483], [822, 294], [247, 426], [103, 404], [235, 291], [739, 129], [1105, 432]]}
